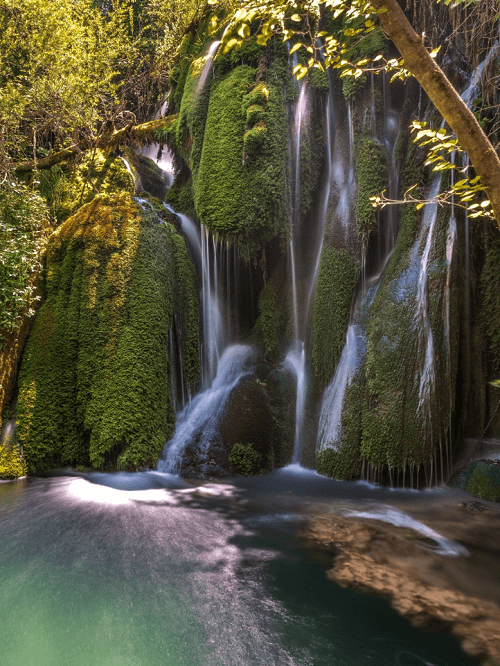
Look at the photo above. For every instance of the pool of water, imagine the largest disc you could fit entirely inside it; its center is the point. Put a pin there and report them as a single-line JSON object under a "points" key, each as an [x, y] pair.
{"points": [[147, 569]]}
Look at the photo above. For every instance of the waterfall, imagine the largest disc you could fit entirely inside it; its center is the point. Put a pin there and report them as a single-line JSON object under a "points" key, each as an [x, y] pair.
{"points": [[161, 154], [207, 255], [296, 362], [191, 232], [422, 321], [295, 226], [353, 354], [209, 58], [213, 328], [329, 428], [137, 182], [305, 267], [198, 423]]}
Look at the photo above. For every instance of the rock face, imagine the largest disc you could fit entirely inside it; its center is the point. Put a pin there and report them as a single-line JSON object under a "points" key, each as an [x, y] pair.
{"points": [[94, 386], [393, 562], [247, 421], [240, 437], [481, 479]]}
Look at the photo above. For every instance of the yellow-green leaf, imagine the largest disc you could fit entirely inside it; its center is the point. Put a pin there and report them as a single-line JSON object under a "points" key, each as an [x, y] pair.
{"points": [[244, 31]]}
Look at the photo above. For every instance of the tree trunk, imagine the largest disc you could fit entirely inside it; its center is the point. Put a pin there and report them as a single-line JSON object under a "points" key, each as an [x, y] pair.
{"points": [[138, 134], [444, 97]]}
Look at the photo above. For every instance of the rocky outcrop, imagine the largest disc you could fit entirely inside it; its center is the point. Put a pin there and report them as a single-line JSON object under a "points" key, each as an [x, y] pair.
{"points": [[94, 385]]}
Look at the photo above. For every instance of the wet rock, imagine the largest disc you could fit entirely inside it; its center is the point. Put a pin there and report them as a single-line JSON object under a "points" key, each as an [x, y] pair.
{"points": [[153, 179], [246, 419], [280, 389], [475, 506]]}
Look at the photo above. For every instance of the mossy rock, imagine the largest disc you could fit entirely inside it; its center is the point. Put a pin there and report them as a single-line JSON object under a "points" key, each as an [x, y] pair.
{"points": [[337, 278], [94, 385], [152, 178], [371, 173], [239, 186], [245, 459], [247, 420], [481, 479], [280, 387], [12, 462], [97, 174]]}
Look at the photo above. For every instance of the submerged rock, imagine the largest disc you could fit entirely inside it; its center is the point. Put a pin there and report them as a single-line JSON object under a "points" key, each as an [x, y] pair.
{"points": [[399, 564]]}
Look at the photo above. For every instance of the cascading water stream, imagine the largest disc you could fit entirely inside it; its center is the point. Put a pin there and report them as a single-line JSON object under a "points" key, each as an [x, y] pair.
{"points": [[296, 362], [199, 421], [296, 359], [205, 252], [137, 183], [295, 228], [209, 58], [450, 247], [329, 428], [213, 329], [354, 351], [422, 321]]}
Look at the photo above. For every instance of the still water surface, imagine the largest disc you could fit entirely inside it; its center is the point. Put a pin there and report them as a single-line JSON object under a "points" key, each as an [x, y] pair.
{"points": [[146, 570]]}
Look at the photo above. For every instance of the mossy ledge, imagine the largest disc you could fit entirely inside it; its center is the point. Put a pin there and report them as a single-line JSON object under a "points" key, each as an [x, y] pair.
{"points": [[94, 386]]}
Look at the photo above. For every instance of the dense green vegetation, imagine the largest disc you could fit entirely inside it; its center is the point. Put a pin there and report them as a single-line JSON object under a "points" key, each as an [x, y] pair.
{"points": [[100, 340]]}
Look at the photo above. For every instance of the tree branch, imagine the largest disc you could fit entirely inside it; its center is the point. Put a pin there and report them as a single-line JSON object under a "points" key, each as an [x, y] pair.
{"points": [[444, 97], [131, 134]]}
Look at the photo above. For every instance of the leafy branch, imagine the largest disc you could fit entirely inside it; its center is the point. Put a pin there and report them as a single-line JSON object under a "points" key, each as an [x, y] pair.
{"points": [[443, 147]]}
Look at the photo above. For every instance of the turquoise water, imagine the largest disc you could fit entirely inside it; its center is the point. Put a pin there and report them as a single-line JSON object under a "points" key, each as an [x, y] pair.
{"points": [[157, 572]]}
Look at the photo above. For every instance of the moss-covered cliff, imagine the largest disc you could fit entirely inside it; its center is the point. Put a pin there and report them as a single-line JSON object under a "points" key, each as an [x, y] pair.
{"points": [[94, 385], [230, 142]]}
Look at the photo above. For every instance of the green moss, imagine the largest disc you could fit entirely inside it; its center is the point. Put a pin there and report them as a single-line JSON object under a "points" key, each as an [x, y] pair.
{"points": [[181, 198], [94, 385], [255, 114], [485, 482], [190, 126], [345, 462], [370, 46], [480, 478], [318, 79], [67, 190], [371, 172], [12, 463], [245, 458], [270, 321], [280, 390], [239, 188], [491, 302], [337, 277]]}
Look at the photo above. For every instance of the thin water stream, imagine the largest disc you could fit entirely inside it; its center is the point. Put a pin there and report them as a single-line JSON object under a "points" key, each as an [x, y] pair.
{"points": [[146, 569]]}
